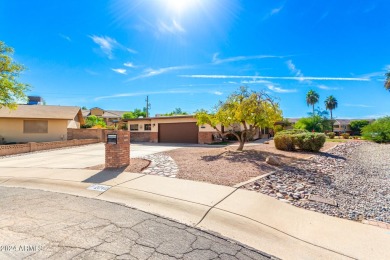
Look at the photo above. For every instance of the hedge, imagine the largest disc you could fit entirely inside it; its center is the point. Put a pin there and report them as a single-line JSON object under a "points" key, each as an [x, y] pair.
{"points": [[306, 141]]}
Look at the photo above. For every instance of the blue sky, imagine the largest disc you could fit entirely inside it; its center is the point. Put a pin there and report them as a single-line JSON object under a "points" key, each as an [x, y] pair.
{"points": [[193, 53]]}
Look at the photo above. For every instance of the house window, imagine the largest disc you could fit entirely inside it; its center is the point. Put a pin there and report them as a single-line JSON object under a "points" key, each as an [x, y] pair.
{"points": [[148, 127], [133, 127], [35, 126]]}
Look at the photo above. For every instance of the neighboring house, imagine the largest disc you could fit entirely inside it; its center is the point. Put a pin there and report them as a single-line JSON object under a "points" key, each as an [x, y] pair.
{"points": [[109, 116], [171, 129], [38, 123]]}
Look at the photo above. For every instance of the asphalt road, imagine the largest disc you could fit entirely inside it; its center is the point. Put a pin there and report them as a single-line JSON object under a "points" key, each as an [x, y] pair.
{"points": [[40, 225]]}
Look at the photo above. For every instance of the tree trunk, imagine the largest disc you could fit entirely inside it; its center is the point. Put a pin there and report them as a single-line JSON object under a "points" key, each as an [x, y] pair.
{"points": [[241, 146], [331, 118], [313, 110]]}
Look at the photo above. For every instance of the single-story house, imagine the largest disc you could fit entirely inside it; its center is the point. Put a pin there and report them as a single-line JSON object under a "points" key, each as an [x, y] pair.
{"points": [[109, 116], [172, 129], [38, 123]]}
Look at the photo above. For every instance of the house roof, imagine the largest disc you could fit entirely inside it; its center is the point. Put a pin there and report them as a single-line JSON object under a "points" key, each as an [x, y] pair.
{"points": [[159, 117], [40, 112], [106, 113]]}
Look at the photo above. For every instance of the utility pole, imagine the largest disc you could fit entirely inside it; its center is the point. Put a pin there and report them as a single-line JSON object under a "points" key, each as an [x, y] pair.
{"points": [[147, 106]]}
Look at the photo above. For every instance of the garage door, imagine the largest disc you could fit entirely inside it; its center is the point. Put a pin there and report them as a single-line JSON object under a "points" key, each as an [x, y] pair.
{"points": [[178, 133]]}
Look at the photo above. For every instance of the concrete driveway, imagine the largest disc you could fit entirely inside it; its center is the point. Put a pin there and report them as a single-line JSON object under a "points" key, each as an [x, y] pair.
{"points": [[79, 157]]}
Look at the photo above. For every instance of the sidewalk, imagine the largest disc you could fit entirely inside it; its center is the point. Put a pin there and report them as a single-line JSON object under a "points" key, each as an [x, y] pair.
{"points": [[254, 219]]}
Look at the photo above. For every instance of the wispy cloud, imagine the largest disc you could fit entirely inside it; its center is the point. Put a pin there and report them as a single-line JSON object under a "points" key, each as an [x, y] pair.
{"points": [[273, 12], [129, 65], [327, 88], [298, 73], [254, 81], [217, 60], [107, 45], [120, 71], [172, 91], [280, 90], [154, 72], [65, 37], [277, 78], [91, 72], [173, 27], [357, 105]]}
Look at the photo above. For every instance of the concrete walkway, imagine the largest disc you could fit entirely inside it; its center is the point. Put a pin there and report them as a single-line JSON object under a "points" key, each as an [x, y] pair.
{"points": [[254, 219]]}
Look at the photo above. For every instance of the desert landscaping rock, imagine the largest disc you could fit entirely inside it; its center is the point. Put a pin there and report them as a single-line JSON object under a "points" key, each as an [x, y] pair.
{"points": [[62, 226], [273, 160], [353, 177]]}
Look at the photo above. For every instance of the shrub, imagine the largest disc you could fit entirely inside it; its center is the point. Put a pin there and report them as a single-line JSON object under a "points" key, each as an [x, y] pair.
{"points": [[345, 135], [292, 131], [379, 131], [312, 142], [284, 142], [357, 126], [331, 135], [305, 141]]}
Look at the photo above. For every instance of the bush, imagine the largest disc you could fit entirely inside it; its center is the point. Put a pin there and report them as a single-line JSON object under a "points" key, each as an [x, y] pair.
{"points": [[284, 142], [292, 132], [345, 135], [312, 142], [379, 131], [331, 135], [305, 141]]}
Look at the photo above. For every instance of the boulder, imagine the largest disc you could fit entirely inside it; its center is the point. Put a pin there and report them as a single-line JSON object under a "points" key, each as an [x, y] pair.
{"points": [[273, 160]]}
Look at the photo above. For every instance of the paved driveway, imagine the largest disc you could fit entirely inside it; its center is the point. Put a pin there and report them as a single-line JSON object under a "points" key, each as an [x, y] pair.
{"points": [[79, 157]]}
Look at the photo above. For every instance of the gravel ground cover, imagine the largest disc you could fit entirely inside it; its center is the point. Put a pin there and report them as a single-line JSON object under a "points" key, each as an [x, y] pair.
{"points": [[137, 165], [226, 166], [355, 176]]}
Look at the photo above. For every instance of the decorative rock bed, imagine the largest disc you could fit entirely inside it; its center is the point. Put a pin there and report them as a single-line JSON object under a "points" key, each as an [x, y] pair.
{"points": [[351, 181]]}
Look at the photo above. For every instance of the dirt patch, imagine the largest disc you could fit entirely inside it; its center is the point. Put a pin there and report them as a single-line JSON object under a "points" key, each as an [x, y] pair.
{"points": [[137, 165], [226, 166]]}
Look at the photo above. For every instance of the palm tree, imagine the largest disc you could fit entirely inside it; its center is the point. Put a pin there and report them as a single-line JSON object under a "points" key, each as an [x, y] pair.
{"points": [[312, 98], [387, 82], [331, 104]]}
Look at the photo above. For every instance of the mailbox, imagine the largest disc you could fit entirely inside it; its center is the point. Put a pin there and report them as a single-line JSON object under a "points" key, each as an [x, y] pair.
{"points": [[112, 139]]}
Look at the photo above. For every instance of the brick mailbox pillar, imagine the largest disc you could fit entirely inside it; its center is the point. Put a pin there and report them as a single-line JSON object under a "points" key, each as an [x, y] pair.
{"points": [[117, 149]]}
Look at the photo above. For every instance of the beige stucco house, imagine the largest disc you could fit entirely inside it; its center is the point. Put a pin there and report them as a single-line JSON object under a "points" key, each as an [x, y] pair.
{"points": [[172, 129], [110, 116], [28, 123]]}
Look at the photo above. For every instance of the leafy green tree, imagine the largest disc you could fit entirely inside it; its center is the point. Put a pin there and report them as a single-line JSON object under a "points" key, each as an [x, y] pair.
{"points": [[331, 104], [312, 98], [11, 90], [314, 123], [244, 108], [177, 111], [357, 125], [378, 131], [84, 108], [387, 81], [134, 114], [128, 115], [94, 121]]}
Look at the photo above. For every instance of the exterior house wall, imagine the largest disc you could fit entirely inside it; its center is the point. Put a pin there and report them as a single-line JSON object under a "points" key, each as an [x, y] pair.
{"points": [[96, 112], [12, 131], [75, 123]]}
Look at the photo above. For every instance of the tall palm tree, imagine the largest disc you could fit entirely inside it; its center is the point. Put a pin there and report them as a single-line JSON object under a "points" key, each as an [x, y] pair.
{"points": [[331, 104], [387, 82], [312, 98]]}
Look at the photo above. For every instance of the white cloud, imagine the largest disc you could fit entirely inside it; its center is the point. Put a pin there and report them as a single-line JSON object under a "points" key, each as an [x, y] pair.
{"points": [[327, 88], [65, 37], [357, 105], [277, 78], [129, 64], [171, 91], [216, 60], [280, 90], [105, 43], [254, 81], [291, 66], [120, 71], [154, 72], [276, 10], [172, 27], [91, 72]]}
